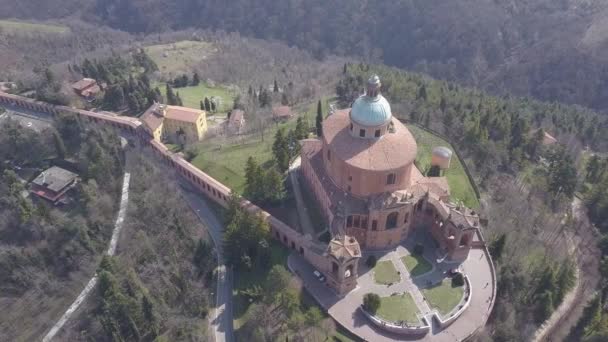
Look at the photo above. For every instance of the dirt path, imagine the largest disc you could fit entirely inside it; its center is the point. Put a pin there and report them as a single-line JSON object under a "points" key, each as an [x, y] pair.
{"points": [[124, 201]]}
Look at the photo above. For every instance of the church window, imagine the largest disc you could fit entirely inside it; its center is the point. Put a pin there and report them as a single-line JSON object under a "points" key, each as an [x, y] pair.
{"points": [[391, 220], [351, 127], [357, 221], [407, 216], [377, 135], [390, 179], [349, 221], [364, 222], [362, 133], [374, 224], [328, 155]]}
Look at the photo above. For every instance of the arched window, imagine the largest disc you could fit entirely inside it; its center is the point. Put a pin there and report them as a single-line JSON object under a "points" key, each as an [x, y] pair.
{"points": [[391, 220], [377, 134], [328, 155], [362, 133], [390, 179]]}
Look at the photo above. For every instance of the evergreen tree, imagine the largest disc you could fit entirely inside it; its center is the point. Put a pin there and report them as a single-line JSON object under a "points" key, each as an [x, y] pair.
{"points": [[273, 186], [178, 100], [275, 88], [319, 119], [207, 104], [280, 150], [593, 169], [422, 93], [202, 104], [213, 107], [497, 246], [254, 184], [250, 91], [301, 131], [284, 99], [171, 98], [195, 79]]}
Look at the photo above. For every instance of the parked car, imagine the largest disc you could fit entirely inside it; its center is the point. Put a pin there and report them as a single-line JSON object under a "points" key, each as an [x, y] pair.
{"points": [[319, 275]]}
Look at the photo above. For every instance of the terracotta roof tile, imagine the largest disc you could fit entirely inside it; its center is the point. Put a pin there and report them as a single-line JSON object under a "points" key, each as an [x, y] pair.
{"points": [[183, 113], [391, 151]]}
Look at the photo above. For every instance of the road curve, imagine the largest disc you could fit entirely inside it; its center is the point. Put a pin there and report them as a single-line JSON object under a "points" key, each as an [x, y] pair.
{"points": [[221, 318]]}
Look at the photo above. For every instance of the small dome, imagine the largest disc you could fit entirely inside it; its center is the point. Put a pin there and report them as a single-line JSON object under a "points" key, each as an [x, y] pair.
{"points": [[371, 111]]}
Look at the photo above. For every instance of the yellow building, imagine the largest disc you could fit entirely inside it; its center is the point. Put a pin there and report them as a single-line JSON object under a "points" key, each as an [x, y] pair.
{"points": [[174, 124]]}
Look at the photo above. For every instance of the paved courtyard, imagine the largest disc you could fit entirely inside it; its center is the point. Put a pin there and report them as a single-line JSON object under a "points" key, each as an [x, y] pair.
{"points": [[346, 310]]}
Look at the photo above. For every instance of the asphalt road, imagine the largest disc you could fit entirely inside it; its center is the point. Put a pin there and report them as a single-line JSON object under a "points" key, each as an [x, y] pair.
{"points": [[221, 319]]}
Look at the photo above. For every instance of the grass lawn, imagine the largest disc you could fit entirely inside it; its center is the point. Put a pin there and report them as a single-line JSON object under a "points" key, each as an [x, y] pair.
{"points": [[385, 273], [16, 27], [460, 186], [416, 264], [192, 96], [398, 308], [444, 297], [180, 57]]}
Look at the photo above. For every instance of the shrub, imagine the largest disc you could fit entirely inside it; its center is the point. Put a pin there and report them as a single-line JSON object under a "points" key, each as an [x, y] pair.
{"points": [[371, 261], [371, 303], [418, 249], [458, 280]]}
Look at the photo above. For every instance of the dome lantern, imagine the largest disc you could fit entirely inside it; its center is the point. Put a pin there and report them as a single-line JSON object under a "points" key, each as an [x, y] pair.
{"points": [[371, 109]]}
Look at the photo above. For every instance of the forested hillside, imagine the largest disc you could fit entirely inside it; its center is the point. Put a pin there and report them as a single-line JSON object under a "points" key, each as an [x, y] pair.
{"points": [[553, 50], [47, 251]]}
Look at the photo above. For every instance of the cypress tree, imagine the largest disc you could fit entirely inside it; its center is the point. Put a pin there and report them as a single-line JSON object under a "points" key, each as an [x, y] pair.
{"points": [[319, 119], [202, 104], [171, 99], [195, 79], [276, 87], [207, 105]]}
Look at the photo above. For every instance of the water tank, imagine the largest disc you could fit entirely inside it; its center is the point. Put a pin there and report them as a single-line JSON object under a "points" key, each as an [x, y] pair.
{"points": [[442, 157]]}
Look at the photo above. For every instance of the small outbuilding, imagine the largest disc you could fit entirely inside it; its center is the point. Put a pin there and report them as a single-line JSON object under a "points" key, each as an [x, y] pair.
{"points": [[87, 88], [236, 121], [281, 113], [53, 183]]}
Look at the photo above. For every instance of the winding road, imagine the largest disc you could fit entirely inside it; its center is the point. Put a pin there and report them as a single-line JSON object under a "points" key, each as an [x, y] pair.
{"points": [[221, 319]]}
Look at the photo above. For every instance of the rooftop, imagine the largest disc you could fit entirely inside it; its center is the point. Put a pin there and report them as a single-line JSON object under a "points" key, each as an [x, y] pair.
{"points": [[392, 151], [152, 117], [344, 248], [236, 116], [55, 179], [281, 112], [83, 84], [183, 114]]}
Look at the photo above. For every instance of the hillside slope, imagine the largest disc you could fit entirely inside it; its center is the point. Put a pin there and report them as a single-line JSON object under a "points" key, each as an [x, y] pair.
{"points": [[553, 50]]}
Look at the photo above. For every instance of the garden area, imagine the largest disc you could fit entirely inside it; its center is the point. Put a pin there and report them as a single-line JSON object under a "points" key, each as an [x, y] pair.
{"points": [[398, 308], [22, 27], [385, 273], [416, 264], [460, 185], [193, 95], [444, 296]]}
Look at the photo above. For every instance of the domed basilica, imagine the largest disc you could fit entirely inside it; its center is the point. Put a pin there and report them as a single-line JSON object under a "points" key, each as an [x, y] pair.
{"points": [[363, 175]]}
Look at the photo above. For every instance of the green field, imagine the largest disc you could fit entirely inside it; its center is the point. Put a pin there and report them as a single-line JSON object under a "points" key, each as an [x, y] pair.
{"points": [[192, 96], [460, 186], [386, 273], [17, 27], [444, 297], [416, 264], [181, 57], [398, 308], [226, 161]]}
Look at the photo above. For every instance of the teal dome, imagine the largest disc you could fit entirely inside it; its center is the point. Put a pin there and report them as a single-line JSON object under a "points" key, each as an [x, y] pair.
{"points": [[371, 111]]}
